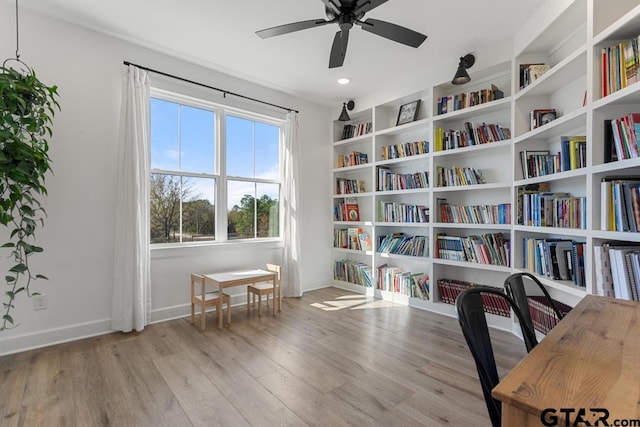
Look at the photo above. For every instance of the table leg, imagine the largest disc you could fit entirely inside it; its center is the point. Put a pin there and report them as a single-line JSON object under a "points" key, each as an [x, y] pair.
{"points": [[274, 296], [220, 316]]}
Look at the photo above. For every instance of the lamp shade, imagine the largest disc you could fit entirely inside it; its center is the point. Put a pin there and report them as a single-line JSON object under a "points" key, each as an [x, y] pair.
{"points": [[344, 115], [462, 76]]}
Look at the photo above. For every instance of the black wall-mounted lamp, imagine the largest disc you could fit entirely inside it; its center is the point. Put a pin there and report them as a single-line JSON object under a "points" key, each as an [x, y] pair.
{"points": [[344, 115], [462, 76]]}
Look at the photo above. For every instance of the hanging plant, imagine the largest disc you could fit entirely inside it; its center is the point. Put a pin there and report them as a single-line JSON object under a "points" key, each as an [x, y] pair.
{"points": [[27, 107]]}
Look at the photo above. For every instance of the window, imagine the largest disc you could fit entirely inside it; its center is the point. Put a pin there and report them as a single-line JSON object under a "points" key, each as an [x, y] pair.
{"points": [[202, 153]]}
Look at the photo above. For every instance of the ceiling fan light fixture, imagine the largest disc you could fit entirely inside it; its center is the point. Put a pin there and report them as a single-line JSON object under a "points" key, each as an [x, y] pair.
{"points": [[344, 115], [461, 76]]}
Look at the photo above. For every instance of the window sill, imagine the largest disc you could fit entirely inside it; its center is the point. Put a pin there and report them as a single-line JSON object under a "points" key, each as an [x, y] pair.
{"points": [[169, 250]]}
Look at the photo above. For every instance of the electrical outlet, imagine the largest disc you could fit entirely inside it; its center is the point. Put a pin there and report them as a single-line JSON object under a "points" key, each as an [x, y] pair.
{"points": [[39, 302]]}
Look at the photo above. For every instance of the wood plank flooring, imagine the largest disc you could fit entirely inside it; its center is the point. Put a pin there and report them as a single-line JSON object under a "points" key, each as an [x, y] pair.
{"points": [[331, 358]]}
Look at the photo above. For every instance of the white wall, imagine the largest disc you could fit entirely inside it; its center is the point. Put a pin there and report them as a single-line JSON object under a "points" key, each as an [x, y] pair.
{"points": [[79, 233]]}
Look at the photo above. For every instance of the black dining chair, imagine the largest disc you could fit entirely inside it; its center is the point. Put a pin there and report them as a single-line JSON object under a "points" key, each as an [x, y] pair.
{"points": [[473, 323], [514, 285]]}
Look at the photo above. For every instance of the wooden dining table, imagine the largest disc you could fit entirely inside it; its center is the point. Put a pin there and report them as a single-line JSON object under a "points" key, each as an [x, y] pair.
{"points": [[236, 278], [586, 368]]}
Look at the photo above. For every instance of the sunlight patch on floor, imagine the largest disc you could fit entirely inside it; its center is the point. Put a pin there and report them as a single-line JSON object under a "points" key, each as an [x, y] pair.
{"points": [[353, 302]]}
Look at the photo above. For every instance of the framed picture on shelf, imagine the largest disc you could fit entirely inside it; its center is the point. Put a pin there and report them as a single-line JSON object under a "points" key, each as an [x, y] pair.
{"points": [[408, 112]]}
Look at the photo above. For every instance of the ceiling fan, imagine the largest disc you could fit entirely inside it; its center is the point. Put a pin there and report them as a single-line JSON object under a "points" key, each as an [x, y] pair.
{"points": [[346, 13]]}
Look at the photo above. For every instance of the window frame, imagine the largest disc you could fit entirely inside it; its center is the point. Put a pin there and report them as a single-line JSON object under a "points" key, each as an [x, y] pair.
{"points": [[221, 179]]}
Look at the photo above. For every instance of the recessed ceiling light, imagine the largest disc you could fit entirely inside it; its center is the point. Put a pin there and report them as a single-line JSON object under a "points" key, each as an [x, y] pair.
{"points": [[343, 81]]}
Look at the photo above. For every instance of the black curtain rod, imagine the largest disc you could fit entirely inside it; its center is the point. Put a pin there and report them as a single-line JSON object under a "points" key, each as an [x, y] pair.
{"points": [[225, 92]]}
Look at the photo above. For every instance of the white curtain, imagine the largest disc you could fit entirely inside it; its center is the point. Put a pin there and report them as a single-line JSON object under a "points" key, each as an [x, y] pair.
{"points": [[131, 304], [291, 199]]}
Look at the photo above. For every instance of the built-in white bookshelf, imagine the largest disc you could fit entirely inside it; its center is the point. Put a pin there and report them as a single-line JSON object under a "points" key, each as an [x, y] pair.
{"points": [[570, 43]]}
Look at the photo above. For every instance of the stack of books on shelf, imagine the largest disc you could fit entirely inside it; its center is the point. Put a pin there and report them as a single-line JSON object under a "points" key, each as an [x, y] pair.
{"points": [[346, 210], [558, 259], [621, 138], [541, 116], [350, 186], [401, 212], [353, 159], [490, 248], [395, 279], [402, 244], [353, 272], [531, 72], [620, 203], [543, 316], [389, 180], [359, 129], [619, 65], [351, 238], [471, 135], [451, 177], [450, 103], [548, 209], [572, 155], [617, 267], [450, 289], [474, 214], [405, 149]]}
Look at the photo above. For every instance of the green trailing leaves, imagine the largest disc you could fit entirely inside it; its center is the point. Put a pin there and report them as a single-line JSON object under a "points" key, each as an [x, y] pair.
{"points": [[27, 107]]}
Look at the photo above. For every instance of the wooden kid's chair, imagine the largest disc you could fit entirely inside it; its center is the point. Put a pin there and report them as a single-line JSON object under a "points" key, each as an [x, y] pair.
{"points": [[260, 289], [206, 299]]}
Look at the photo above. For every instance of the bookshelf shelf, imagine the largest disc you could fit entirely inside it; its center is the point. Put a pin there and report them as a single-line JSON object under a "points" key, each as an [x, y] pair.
{"points": [[473, 265], [572, 232], [476, 187], [569, 39]]}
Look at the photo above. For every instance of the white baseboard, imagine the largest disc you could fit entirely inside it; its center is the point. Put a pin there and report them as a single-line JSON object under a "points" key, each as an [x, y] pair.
{"points": [[54, 336]]}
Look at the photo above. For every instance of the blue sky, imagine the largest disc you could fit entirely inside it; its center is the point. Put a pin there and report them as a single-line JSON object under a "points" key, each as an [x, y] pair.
{"points": [[182, 139]]}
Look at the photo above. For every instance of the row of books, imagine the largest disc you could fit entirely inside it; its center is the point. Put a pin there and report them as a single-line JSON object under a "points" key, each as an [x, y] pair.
{"points": [[617, 268], [395, 279], [619, 65], [471, 135], [352, 159], [474, 214], [401, 212], [558, 259], [346, 210], [620, 203], [351, 131], [541, 116], [389, 180], [402, 244], [350, 186], [531, 72], [450, 289], [405, 149], [572, 155], [490, 248], [621, 138], [450, 103], [355, 272], [543, 316], [547, 209], [451, 177], [351, 238]]}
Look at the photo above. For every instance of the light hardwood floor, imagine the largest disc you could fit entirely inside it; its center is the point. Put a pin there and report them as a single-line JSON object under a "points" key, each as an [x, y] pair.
{"points": [[332, 358]]}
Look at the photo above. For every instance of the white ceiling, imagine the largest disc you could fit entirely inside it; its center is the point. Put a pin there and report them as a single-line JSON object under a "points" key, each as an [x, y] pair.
{"points": [[220, 34]]}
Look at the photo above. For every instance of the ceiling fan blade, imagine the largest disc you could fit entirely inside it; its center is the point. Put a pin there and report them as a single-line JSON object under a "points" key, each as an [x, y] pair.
{"points": [[290, 28], [339, 49], [333, 5], [393, 32], [365, 6]]}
